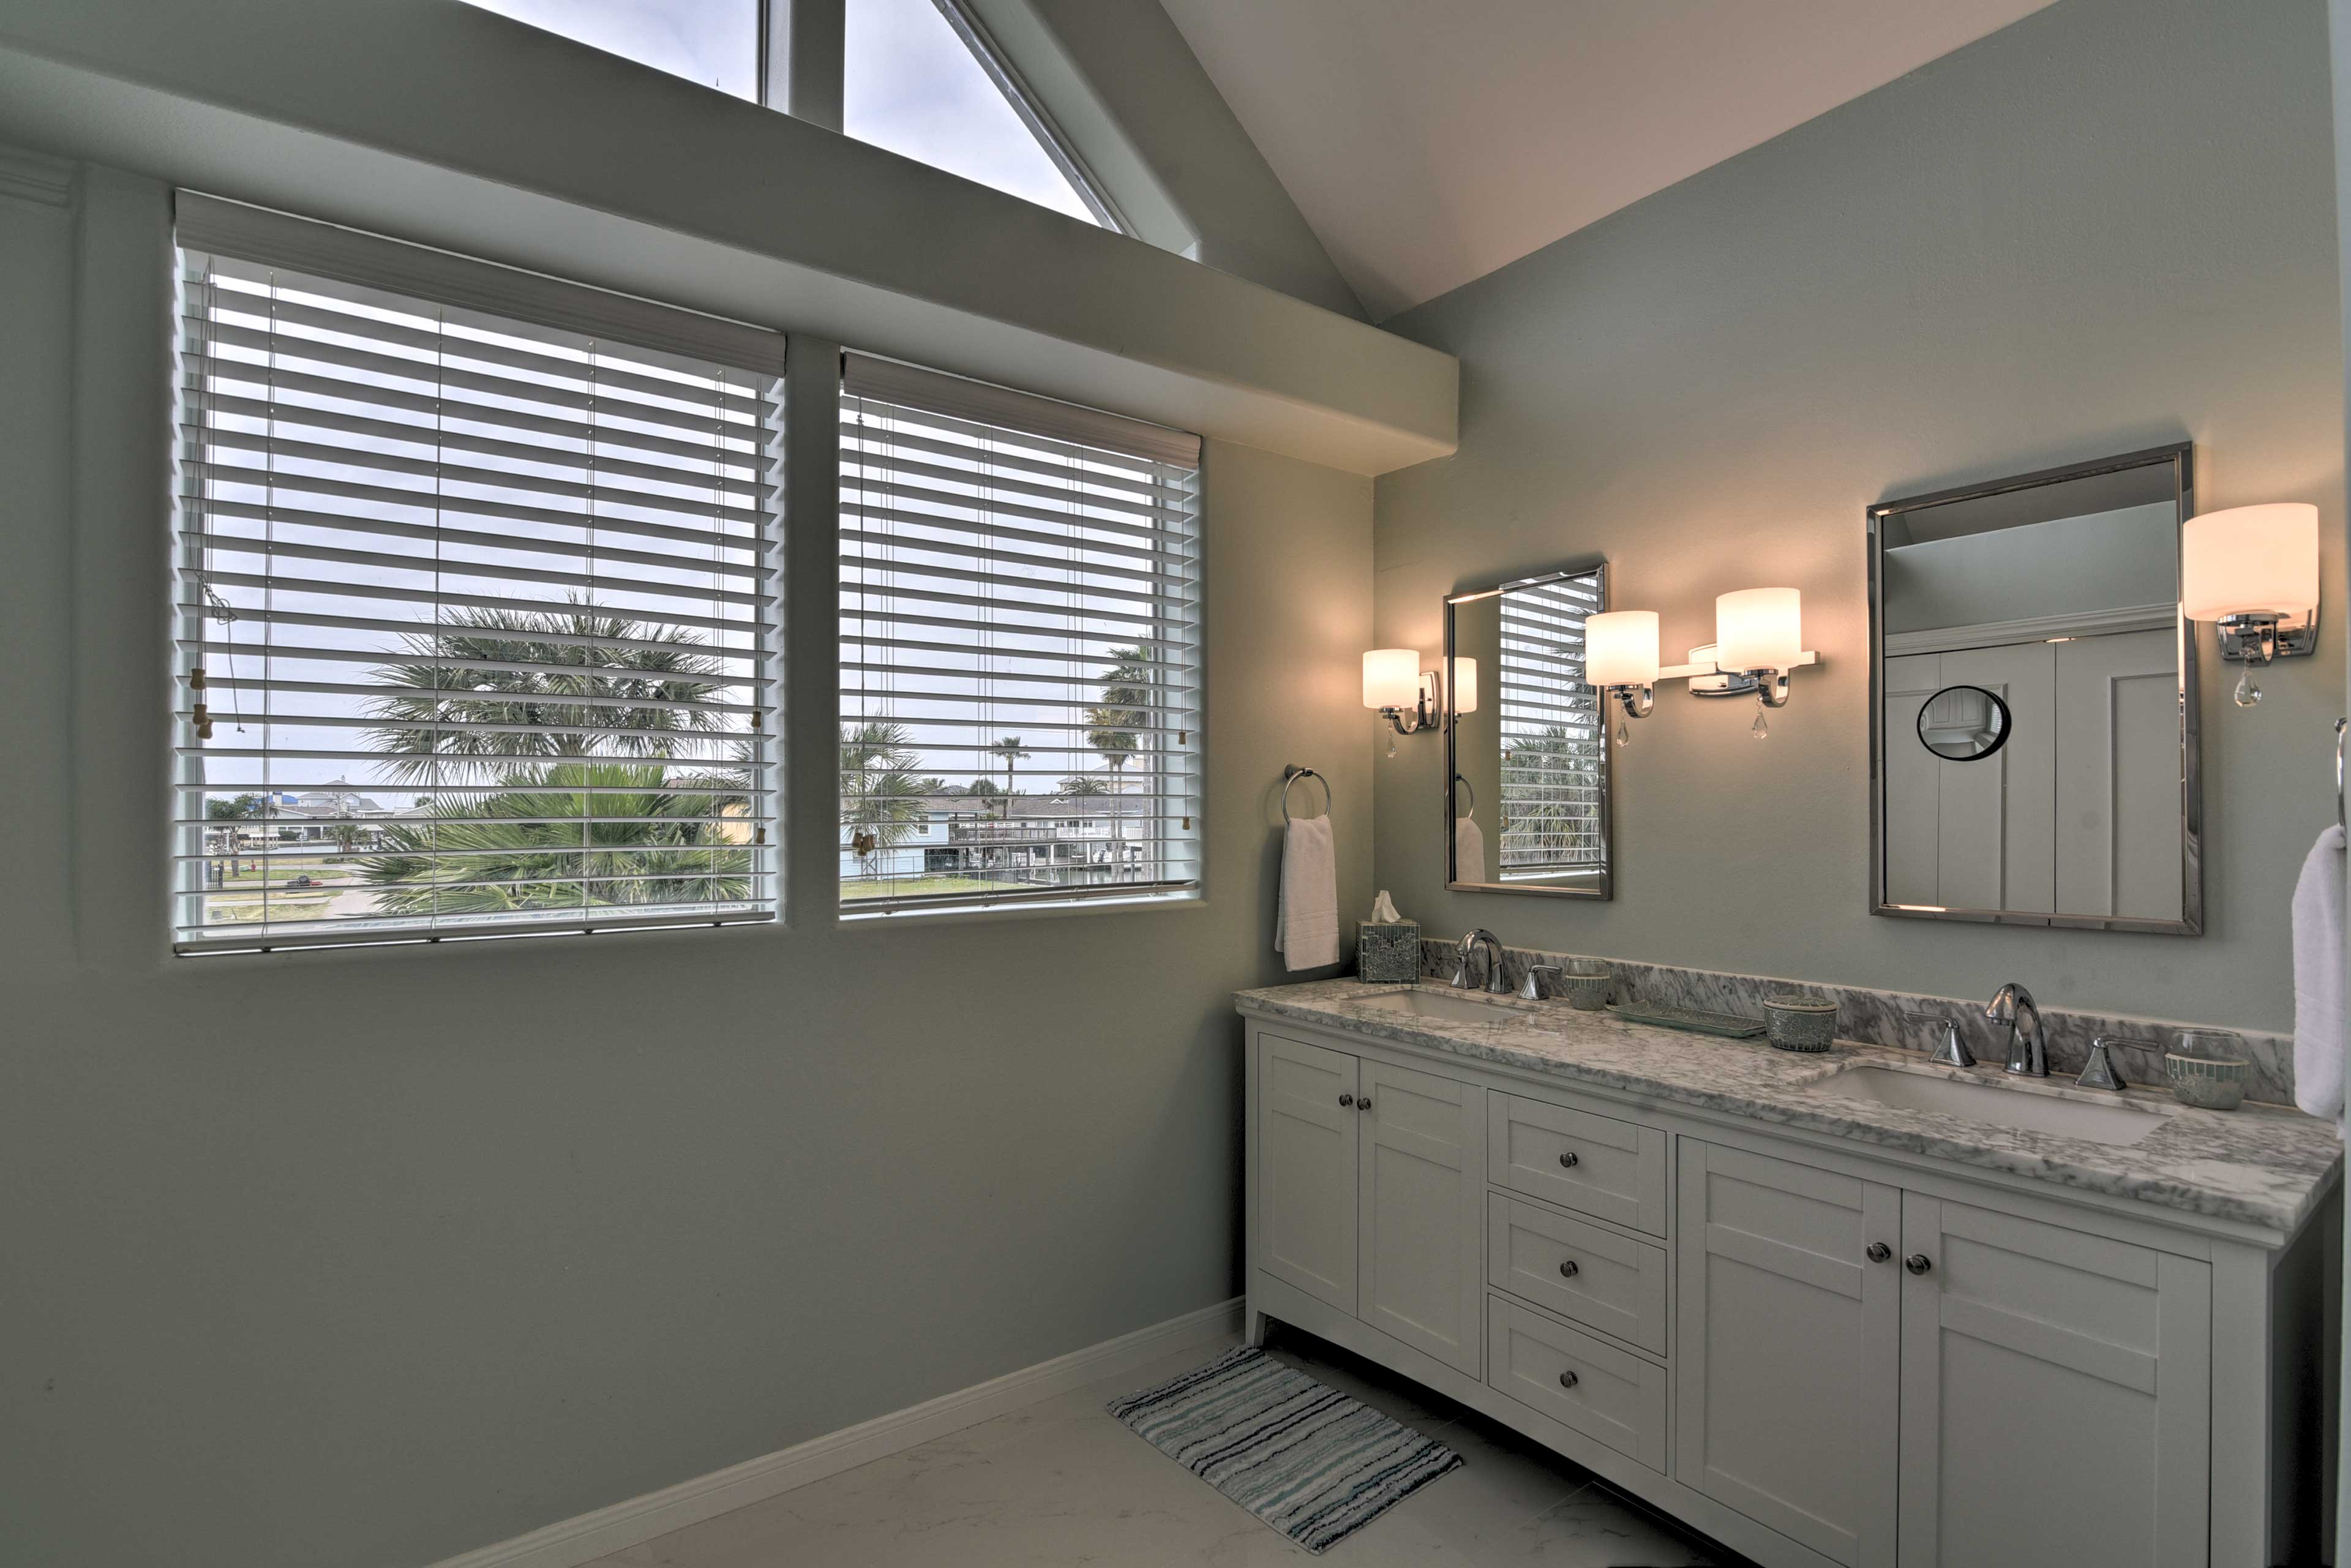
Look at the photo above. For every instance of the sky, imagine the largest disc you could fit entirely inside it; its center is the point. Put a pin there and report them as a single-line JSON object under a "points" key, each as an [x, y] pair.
{"points": [[910, 85]]}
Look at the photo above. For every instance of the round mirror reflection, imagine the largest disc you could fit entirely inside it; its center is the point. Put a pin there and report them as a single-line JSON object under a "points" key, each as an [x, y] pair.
{"points": [[1963, 724]]}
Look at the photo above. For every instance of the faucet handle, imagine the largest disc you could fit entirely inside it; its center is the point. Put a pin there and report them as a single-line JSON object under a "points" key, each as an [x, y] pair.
{"points": [[1531, 988], [1951, 1050], [2099, 1071]]}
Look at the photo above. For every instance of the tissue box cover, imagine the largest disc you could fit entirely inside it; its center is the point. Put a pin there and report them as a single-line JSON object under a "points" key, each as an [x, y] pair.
{"points": [[1387, 950]]}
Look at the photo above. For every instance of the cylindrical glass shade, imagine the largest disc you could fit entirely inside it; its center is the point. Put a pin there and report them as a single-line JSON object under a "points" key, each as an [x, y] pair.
{"points": [[2250, 559], [1465, 685], [1620, 648], [1392, 678], [1759, 629]]}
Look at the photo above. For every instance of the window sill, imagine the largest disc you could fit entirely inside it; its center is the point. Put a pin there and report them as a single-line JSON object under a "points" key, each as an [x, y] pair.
{"points": [[1187, 898]]}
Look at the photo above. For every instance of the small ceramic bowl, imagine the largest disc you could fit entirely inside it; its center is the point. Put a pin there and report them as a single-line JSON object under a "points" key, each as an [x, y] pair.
{"points": [[2206, 1071], [1584, 983], [1799, 1023]]}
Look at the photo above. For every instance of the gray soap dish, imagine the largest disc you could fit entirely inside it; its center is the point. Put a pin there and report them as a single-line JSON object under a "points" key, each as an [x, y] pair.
{"points": [[1696, 1020]]}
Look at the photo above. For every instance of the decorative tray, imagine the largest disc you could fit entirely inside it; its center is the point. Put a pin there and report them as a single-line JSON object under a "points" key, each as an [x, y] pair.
{"points": [[1697, 1021]]}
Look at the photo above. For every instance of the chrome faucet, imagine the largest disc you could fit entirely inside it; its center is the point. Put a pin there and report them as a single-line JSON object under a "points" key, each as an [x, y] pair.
{"points": [[2028, 1047], [1494, 981]]}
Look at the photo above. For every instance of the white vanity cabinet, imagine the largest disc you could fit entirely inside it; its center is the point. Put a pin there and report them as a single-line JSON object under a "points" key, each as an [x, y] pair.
{"points": [[1790, 1348], [1812, 1349], [2030, 1339], [1371, 1193]]}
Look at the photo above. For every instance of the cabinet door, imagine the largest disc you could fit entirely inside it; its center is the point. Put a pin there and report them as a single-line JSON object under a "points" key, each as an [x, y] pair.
{"points": [[1306, 1176], [1422, 1206], [1788, 1349], [2056, 1397], [2118, 785]]}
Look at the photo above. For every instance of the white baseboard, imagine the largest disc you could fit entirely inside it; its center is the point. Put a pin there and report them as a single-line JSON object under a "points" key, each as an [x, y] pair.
{"points": [[572, 1542]]}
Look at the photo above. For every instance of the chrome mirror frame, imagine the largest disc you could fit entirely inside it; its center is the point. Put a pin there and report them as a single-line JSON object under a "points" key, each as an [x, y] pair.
{"points": [[1601, 887], [2179, 457]]}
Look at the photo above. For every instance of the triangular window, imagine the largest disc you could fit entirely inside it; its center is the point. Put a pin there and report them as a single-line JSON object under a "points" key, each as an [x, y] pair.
{"points": [[914, 82], [714, 42]]}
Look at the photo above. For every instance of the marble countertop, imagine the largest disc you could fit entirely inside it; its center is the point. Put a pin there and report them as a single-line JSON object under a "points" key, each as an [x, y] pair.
{"points": [[2262, 1165]]}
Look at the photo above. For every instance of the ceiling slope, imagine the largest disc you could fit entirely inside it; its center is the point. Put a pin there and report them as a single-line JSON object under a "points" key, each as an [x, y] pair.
{"points": [[1430, 144]]}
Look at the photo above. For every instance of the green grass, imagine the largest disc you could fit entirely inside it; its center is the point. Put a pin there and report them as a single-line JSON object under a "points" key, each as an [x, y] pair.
{"points": [[916, 886]]}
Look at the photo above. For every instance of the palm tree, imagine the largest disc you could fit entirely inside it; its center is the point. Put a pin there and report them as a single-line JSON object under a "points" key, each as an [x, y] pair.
{"points": [[429, 866], [1078, 786], [1117, 726], [880, 793], [556, 704], [515, 669], [1010, 749]]}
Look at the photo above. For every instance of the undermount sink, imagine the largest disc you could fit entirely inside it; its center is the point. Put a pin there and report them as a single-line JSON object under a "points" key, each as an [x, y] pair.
{"points": [[2026, 1109], [1439, 1005]]}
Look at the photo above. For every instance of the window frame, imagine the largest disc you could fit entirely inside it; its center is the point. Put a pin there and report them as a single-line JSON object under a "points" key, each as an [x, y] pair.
{"points": [[1182, 816], [218, 227]]}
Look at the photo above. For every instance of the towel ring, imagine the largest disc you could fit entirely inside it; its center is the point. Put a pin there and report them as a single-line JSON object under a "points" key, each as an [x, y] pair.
{"points": [[1291, 775], [2340, 726], [1473, 796]]}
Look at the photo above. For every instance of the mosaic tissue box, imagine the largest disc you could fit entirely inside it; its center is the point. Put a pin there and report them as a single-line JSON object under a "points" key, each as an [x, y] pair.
{"points": [[1387, 950]]}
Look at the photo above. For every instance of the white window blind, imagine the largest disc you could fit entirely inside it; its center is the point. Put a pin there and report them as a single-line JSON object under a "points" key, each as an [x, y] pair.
{"points": [[1019, 648], [1551, 734], [475, 580]]}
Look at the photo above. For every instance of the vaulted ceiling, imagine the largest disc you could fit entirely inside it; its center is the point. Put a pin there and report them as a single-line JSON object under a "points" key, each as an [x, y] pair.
{"points": [[1430, 142]]}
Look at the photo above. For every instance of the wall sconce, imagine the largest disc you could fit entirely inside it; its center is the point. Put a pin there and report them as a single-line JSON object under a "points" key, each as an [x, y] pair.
{"points": [[1620, 657], [1400, 691], [1759, 640], [1465, 685], [2252, 572], [1759, 633]]}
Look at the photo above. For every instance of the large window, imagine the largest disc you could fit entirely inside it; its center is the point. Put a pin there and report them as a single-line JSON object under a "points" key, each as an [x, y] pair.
{"points": [[1019, 648], [475, 586], [921, 77]]}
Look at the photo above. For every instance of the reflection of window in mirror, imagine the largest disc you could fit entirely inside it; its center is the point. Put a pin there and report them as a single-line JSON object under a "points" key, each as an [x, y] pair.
{"points": [[1529, 762]]}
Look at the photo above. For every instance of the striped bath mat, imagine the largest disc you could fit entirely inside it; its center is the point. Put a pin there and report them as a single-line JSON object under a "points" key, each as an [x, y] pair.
{"points": [[1308, 1461]]}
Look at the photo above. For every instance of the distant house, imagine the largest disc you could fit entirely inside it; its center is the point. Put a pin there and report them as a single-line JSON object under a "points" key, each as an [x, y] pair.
{"points": [[317, 815], [1059, 839]]}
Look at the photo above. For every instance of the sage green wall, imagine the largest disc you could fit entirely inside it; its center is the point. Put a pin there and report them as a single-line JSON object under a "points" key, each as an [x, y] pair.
{"points": [[2110, 225], [368, 1258]]}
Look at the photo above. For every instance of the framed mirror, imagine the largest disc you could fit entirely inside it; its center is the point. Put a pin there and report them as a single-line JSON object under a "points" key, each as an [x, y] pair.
{"points": [[2034, 734], [1526, 749]]}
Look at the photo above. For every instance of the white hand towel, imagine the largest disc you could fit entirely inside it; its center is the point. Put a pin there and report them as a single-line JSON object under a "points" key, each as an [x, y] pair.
{"points": [[1306, 920], [1468, 851], [2318, 1021]]}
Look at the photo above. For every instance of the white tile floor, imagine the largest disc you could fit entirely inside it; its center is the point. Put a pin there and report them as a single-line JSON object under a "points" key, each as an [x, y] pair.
{"points": [[1062, 1483]]}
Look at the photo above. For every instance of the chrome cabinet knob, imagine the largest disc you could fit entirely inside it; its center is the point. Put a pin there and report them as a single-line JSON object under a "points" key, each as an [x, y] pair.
{"points": [[1569, 1269], [1568, 1379], [1917, 1262], [1567, 1160], [1879, 1251], [1346, 1099]]}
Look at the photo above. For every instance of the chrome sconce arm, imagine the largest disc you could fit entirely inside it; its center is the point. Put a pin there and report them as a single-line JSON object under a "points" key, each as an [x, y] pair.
{"points": [[1426, 711], [1636, 701]]}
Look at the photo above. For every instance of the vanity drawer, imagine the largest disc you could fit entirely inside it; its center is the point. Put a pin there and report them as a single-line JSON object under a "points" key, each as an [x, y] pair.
{"points": [[1594, 1165], [1610, 1396], [1594, 1276]]}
